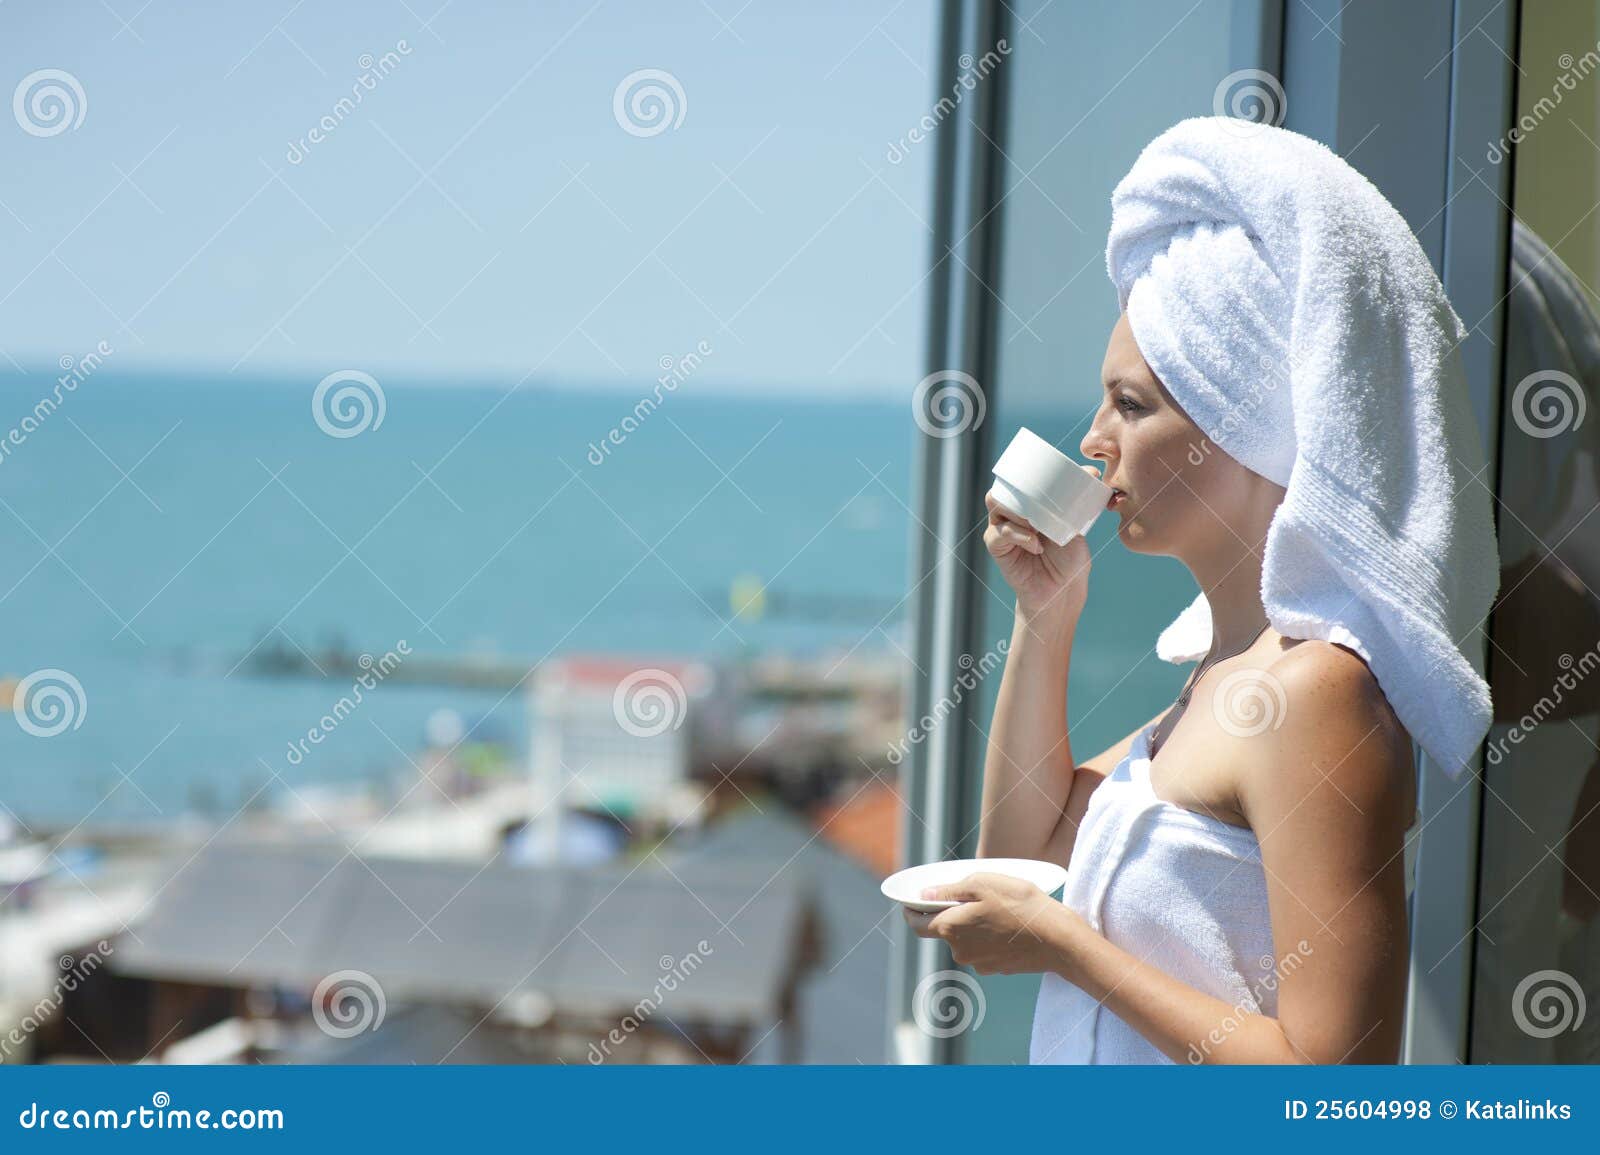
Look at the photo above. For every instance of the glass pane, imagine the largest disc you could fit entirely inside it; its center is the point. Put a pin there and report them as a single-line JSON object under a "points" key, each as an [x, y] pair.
{"points": [[476, 436], [1537, 983], [1081, 107]]}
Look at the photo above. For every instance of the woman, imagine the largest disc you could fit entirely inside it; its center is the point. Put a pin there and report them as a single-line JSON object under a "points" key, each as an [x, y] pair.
{"points": [[1236, 888]]}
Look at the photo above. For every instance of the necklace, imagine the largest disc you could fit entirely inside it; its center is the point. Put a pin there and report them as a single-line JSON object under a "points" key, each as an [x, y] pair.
{"points": [[1194, 679]]}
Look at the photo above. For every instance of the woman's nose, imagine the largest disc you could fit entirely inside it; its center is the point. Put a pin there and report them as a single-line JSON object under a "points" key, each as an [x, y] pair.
{"points": [[1096, 445]]}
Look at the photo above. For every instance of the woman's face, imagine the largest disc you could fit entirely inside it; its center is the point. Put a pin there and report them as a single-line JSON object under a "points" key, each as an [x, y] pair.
{"points": [[1179, 491]]}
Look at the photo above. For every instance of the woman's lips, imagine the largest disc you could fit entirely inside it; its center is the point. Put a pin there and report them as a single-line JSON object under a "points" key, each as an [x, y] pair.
{"points": [[1115, 499]]}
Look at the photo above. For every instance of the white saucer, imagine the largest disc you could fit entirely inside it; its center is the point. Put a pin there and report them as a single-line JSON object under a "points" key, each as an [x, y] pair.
{"points": [[905, 886]]}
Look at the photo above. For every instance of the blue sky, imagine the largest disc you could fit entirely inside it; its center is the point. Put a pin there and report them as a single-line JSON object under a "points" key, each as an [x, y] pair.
{"points": [[481, 213]]}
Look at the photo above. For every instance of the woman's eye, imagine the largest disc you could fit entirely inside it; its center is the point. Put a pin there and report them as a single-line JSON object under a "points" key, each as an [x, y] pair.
{"points": [[1128, 405]]}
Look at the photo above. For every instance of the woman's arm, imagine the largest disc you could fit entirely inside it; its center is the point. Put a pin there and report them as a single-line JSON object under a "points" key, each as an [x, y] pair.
{"points": [[1186, 1024], [1007, 926], [1331, 794], [1028, 770], [1034, 794]]}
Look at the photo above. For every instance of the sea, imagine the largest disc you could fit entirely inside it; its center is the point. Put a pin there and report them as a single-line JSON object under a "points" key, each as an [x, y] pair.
{"points": [[159, 534]]}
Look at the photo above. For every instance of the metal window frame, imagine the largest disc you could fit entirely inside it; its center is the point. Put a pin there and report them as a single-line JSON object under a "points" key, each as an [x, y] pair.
{"points": [[949, 471], [1477, 257]]}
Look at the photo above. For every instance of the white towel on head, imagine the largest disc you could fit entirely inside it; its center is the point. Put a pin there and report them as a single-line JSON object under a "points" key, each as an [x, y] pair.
{"points": [[1288, 308]]}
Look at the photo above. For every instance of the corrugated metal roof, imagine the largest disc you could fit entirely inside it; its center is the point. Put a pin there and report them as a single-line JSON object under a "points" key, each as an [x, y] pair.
{"points": [[422, 1034], [592, 940], [843, 1002]]}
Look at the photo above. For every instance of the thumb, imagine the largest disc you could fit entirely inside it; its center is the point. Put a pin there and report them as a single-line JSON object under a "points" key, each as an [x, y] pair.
{"points": [[963, 891]]}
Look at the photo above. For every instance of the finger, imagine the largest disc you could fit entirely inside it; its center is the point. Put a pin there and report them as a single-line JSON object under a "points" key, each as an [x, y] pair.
{"points": [[1000, 882], [1027, 541], [996, 542], [1000, 515], [965, 890], [920, 923]]}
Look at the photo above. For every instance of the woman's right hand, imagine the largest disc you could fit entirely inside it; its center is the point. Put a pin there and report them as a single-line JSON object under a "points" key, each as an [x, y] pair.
{"points": [[1051, 581]]}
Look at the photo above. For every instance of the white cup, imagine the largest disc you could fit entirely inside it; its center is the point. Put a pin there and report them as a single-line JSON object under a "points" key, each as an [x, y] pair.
{"points": [[1036, 481]]}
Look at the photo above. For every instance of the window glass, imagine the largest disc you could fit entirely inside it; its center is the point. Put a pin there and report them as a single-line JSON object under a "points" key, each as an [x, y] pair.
{"points": [[1537, 976]]}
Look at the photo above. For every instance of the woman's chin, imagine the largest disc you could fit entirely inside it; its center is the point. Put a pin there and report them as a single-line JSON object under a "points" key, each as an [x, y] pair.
{"points": [[1133, 535]]}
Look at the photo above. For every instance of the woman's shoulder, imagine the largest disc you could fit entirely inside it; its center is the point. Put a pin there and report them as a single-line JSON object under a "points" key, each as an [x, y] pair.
{"points": [[1337, 726]]}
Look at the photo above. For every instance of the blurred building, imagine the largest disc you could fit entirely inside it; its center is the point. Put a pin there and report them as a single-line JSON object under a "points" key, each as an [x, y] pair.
{"points": [[620, 737]]}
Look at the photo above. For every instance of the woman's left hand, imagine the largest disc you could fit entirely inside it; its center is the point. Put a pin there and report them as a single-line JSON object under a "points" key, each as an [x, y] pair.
{"points": [[1004, 926]]}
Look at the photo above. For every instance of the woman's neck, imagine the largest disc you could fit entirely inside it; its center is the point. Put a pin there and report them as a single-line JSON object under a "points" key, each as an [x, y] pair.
{"points": [[1233, 591]]}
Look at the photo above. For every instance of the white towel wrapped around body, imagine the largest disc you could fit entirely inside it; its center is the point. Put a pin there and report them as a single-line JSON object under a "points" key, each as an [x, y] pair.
{"points": [[1288, 308]]}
